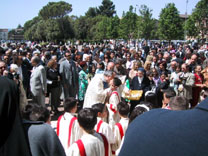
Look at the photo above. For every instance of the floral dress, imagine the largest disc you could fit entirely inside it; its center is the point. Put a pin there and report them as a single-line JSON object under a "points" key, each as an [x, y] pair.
{"points": [[83, 83]]}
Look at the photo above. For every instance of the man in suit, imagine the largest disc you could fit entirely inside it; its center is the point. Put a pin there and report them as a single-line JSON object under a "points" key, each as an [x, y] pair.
{"points": [[24, 72], [165, 132], [140, 82], [38, 84], [186, 80], [180, 53], [69, 76]]}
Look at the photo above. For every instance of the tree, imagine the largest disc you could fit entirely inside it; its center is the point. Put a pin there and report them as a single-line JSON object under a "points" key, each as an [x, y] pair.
{"points": [[128, 25], [200, 16], [146, 23], [107, 8], [101, 28], [55, 10], [170, 24], [190, 27], [92, 12], [113, 28], [81, 27], [52, 24]]}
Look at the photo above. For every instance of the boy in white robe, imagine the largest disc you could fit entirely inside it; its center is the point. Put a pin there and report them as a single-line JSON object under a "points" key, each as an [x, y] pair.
{"points": [[113, 102], [101, 126], [121, 127], [91, 143], [68, 129]]}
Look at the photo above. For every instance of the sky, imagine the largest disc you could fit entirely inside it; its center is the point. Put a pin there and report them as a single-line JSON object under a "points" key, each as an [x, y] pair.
{"points": [[14, 12]]}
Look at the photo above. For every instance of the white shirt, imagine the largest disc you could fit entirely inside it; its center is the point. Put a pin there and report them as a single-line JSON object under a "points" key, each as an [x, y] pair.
{"points": [[106, 130], [124, 124], [140, 79], [93, 144], [76, 131]]}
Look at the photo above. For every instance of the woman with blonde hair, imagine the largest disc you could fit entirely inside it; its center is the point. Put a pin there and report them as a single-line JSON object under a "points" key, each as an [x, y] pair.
{"points": [[134, 70], [147, 66]]}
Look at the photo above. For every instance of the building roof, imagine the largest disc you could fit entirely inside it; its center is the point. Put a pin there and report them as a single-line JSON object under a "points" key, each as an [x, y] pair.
{"points": [[184, 15], [4, 30]]}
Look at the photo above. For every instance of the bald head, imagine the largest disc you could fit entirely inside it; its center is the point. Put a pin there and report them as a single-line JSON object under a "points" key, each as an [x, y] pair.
{"points": [[110, 66]]}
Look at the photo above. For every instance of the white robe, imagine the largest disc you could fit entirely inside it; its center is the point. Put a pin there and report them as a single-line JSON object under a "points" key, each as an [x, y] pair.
{"points": [[76, 131], [112, 108], [106, 130], [93, 144], [95, 92], [124, 123]]}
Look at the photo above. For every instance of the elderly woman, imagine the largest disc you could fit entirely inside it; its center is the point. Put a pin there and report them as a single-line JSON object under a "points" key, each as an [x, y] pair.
{"points": [[53, 83], [15, 76]]}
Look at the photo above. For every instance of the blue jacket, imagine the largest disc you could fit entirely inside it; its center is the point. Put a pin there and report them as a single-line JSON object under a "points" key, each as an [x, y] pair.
{"points": [[170, 133]]}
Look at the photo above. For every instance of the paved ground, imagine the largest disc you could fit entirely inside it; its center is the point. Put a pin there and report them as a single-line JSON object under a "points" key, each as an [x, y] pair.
{"points": [[60, 108]]}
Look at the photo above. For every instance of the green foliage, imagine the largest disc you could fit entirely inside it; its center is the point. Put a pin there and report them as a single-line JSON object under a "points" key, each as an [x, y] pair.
{"points": [[170, 24], [113, 28], [190, 27], [81, 27], [52, 24], [146, 23], [128, 25], [107, 8], [92, 12], [55, 10], [101, 28], [200, 16]]}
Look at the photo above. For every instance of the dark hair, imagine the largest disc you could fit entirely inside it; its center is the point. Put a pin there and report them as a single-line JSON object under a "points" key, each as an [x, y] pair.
{"points": [[69, 104], [90, 67], [164, 73], [138, 110], [102, 65], [117, 82], [178, 103], [98, 107], [123, 108], [149, 73], [151, 98], [36, 112], [87, 118], [169, 93]]}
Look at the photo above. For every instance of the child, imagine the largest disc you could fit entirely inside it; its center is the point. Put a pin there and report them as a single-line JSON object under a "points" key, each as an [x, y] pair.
{"points": [[91, 143], [68, 128], [42, 138], [101, 126], [114, 99], [121, 127]]}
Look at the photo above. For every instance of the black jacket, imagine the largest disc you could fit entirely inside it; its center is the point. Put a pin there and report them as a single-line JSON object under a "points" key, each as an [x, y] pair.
{"points": [[145, 85]]}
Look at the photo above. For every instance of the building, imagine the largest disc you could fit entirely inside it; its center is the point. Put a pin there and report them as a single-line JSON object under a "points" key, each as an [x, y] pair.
{"points": [[4, 34], [16, 34]]}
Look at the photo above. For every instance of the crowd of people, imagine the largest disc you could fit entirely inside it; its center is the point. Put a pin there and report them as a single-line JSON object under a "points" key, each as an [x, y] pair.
{"points": [[94, 83]]}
